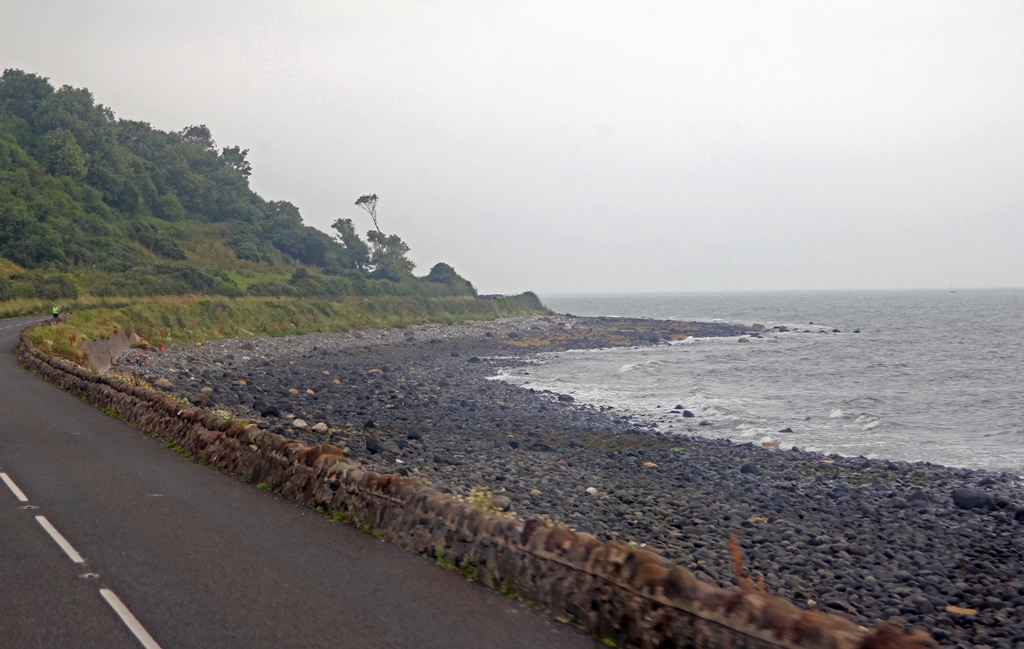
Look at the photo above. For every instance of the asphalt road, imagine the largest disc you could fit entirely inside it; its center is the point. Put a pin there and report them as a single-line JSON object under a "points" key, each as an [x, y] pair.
{"points": [[109, 540]]}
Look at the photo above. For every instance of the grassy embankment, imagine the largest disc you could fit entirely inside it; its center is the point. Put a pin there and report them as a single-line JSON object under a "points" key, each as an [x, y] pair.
{"points": [[169, 320]]}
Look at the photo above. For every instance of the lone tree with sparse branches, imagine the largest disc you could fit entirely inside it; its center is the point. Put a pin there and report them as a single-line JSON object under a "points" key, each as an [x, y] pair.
{"points": [[369, 203], [387, 253]]}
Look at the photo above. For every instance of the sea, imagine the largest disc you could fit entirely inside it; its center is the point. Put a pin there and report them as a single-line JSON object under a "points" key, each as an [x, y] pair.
{"points": [[920, 376]]}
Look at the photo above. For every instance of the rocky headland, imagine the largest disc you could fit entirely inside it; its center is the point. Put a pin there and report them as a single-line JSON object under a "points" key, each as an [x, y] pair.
{"points": [[928, 546]]}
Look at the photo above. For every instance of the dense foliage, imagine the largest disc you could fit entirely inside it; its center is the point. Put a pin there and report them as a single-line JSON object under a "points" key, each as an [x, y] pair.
{"points": [[108, 206]]}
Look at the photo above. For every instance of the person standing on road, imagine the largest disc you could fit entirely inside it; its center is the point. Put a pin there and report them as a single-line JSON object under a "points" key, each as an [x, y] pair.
{"points": [[56, 312]]}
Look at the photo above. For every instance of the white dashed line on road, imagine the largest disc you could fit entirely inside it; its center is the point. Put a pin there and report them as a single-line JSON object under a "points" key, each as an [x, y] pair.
{"points": [[129, 620], [60, 540], [14, 488]]}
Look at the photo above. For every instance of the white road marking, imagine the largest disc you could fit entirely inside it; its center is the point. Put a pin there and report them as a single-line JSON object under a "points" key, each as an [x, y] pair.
{"points": [[60, 540], [129, 620], [14, 488]]}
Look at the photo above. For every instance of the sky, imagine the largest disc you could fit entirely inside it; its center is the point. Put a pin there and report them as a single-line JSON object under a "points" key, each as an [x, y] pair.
{"points": [[567, 146]]}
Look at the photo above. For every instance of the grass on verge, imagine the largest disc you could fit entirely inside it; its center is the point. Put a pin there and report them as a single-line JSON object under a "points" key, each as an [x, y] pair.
{"points": [[170, 320]]}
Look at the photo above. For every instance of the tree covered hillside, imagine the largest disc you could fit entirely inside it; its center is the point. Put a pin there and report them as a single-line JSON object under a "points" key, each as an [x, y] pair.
{"points": [[92, 204]]}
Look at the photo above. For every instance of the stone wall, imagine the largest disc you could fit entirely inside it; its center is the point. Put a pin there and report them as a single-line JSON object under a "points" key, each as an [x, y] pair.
{"points": [[633, 597]]}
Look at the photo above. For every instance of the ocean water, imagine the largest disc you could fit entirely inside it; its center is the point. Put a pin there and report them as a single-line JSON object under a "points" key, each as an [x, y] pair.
{"points": [[933, 376]]}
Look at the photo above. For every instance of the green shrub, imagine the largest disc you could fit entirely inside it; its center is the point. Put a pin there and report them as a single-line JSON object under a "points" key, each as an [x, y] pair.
{"points": [[39, 284]]}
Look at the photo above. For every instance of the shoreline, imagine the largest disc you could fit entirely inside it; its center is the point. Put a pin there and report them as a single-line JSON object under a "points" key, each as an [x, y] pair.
{"points": [[869, 539]]}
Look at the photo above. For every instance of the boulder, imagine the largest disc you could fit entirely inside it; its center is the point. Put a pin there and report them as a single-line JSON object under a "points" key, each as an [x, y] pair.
{"points": [[163, 384], [374, 445], [320, 428], [967, 498]]}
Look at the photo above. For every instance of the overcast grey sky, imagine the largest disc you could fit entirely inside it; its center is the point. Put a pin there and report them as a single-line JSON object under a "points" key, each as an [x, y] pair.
{"points": [[592, 146]]}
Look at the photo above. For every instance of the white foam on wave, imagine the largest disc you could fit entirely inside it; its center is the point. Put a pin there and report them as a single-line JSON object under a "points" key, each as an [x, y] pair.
{"points": [[641, 365], [836, 414], [689, 340]]}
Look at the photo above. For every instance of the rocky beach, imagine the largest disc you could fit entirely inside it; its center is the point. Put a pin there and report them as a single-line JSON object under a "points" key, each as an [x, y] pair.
{"points": [[927, 546]]}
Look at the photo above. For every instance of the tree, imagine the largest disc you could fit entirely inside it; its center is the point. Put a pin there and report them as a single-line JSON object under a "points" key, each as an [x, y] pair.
{"points": [[369, 203], [387, 256], [63, 155], [200, 135], [234, 158], [444, 274], [22, 92], [357, 253]]}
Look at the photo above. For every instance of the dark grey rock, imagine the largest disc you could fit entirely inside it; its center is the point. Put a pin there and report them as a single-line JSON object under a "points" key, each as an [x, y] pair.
{"points": [[917, 496], [967, 498]]}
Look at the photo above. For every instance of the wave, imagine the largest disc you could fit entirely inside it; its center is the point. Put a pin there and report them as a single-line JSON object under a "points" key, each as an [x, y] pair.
{"points": [[629, 367], [865, 420]]}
